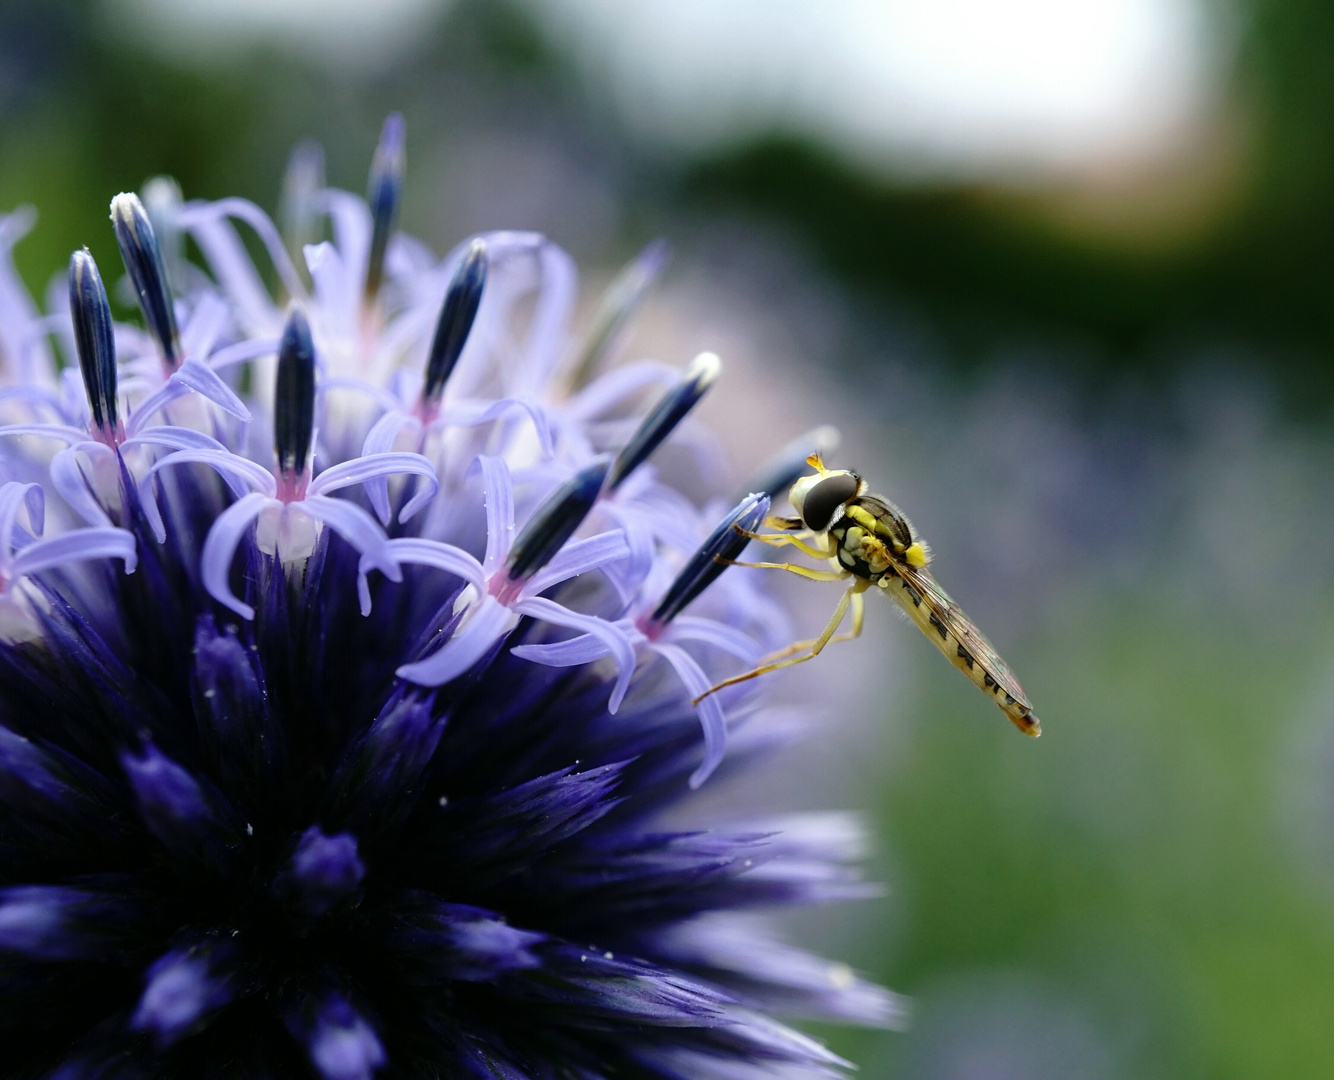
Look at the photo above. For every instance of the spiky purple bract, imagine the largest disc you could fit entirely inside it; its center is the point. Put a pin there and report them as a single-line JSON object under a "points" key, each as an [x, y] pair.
{"points": [[307, 783]]}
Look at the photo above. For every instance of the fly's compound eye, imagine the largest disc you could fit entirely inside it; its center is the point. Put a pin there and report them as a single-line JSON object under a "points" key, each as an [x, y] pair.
{"points": [[827, 496]]}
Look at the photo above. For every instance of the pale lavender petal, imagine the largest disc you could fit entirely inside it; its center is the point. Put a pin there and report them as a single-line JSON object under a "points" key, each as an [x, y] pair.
{"points": [[252, 215], [336, 300], [76, 546], [471, 413], [372, 467], [215, 562], [629, 575], [620, 385], [207, 322], [498, 493], [432, 553], [36, 396], [13, 497], [351, 220], [63, 432], [378, 394], [612, 636], [202, 379], [546, 338], [241, 352], [175, 438], [355, 526], [231, 265], [68, 479], [571, 652], [441, 556], [488, 622], [747, 947], [578, 558], [717, 635], [229, 465], [168, 392], [711, 716], [380, 440]]}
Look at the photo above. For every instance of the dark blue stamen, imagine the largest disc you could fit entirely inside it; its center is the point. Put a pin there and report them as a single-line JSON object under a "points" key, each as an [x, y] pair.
{"points": [[142, 255], [94, 341], [384, 193], [294, 397], [789, 465], [462, 299], [555, 521], [670, 410], [619, 303], [724, 544]]}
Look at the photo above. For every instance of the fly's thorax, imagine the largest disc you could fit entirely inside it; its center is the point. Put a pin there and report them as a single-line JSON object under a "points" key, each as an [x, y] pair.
{"points": [[858, 550], [887, 523]]}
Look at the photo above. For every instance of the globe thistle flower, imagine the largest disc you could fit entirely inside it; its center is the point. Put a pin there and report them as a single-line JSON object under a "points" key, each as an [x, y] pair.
{"points": [[347, 643]]}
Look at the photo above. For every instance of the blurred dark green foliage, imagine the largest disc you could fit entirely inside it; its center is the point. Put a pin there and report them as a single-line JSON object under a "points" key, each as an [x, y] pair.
{"points": [[1258, 280]]}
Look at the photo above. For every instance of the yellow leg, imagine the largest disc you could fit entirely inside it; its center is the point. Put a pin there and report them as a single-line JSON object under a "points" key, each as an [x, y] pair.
{"points": [[781, 539], [852, 593], [792, 568], [858, 605]]}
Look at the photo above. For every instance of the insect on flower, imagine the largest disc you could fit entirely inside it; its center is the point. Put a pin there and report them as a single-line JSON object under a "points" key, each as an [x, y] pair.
{"points": [[870, 541]]}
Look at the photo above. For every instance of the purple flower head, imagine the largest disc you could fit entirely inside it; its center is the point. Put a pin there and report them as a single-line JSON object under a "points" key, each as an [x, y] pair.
{"points": [[348, 638]]}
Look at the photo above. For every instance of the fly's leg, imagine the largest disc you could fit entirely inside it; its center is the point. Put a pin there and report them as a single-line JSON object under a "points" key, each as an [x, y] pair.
{"points": [[781, 539], [792, 568], [858, 605], [853, 591]]}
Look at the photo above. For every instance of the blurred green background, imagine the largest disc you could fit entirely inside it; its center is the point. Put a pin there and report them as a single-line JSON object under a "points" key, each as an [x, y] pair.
{"points": [[1102, 387]]}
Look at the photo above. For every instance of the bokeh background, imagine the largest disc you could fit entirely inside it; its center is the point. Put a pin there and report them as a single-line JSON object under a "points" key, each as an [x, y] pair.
{"points": [[1064, 276]]}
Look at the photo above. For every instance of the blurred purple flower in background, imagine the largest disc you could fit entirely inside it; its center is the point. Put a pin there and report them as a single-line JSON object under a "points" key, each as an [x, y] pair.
{"points": [[308, 759]]}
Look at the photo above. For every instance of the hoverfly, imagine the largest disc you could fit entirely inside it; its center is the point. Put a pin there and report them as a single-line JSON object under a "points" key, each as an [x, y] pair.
{"points": [[870, 541]]}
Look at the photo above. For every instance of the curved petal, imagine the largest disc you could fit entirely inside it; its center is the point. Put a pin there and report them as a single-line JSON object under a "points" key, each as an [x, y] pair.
{"points": [[252, 215], [488, 622], [432, 553], [207, 322], [75, 546], [215, 562], [571, 652], [67, 477], [711, 716], [382, 397], [371, 467], [241, 352], [203, 380], [380, 440], [441, 556], [231, 265], [355, 526], [579, 558], [174, 438], [619, 384], [230, 466], [477, 413], [613, 637], [498, 493], [64, 432], [629, 576], [13, 497], [715, 634]]}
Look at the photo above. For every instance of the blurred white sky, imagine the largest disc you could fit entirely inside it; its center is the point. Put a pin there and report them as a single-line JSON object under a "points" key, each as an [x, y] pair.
{"points": [[957, 87]]}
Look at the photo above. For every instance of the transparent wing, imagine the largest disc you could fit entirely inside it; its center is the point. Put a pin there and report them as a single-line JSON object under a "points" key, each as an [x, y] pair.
{"points": [[956, 635]]}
